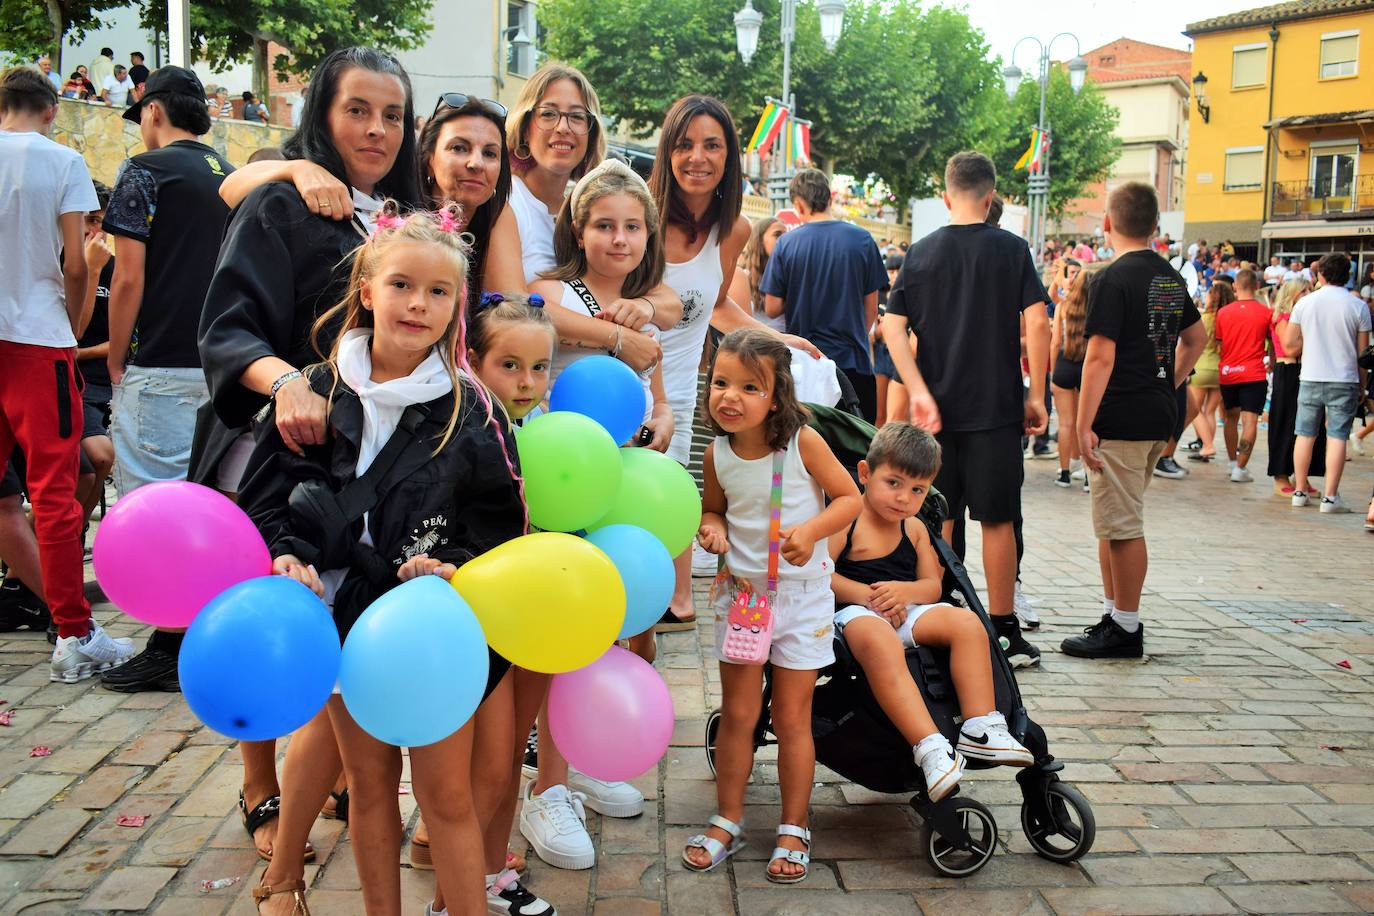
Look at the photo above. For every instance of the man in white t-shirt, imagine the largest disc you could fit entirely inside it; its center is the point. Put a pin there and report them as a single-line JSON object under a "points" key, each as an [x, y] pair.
{"points": [[1273, 274], [1328, 331], [45, 193], [45, 67], [116, 88]]}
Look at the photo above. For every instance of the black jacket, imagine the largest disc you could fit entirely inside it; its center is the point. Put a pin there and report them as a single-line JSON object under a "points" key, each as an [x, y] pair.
{"points": [[452, 506], [279, 269]]}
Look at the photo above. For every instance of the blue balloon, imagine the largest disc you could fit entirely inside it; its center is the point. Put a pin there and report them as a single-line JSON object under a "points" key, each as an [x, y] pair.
{"points": [[645, 567], [415, 664], [260, 660], [605, 389]]}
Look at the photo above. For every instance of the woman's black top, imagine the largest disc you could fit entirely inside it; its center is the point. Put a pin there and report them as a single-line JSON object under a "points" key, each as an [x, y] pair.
{"points": [[897, 566]]}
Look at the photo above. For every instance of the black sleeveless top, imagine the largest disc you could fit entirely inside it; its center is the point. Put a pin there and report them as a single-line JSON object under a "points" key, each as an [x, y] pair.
{"points": [[897, 566]]}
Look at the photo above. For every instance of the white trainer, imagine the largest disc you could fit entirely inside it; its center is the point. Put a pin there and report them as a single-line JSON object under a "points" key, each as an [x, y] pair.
{"points": [[1021, 606], [555, 824], [1077, 471], [986, 738], [942, 768], [1241, 475], [612, 799], [75, 658], [1300, 499], [1333, 504]]}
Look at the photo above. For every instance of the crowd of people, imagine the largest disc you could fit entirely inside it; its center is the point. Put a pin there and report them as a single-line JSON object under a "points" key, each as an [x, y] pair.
{"points": [[361, 319]]}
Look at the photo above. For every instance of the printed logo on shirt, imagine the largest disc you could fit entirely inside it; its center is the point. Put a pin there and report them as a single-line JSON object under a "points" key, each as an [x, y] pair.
{"points": [[1164, 305], [424, 537], [692, 303], [215, 165]]}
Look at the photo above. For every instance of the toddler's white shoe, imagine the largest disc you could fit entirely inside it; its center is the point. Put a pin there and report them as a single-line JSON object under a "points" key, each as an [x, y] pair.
{"points": [[75, 658], [942, 767], [506, 896], [986, 738], [555, 824], [612, 799]]}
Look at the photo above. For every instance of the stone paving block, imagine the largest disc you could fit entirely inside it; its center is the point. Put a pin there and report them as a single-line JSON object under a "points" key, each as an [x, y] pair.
{"points": [[1213, 815], [1361, 895], [1242, 795], [628, 874], [1286, 866], [1345, 794], [150, 749], [47, 833], [753, 875], [1288, 898], [1332, 839], [1144, 870], [1222, 840], [179, 773], [1168, 772], [89, 708], [43, 903], [108, 831], [175, 841], [191, 906], [128, 888], [625, 834], [15, 874], [120, 724], [1132, 794], [1229, 739], [81, 866], [27, 795], [1006, 903], [1137, 901], [1183, 754], [74, 758], [213, 864], [216, 793], [104, 787], [630, 906], [785, 901]]}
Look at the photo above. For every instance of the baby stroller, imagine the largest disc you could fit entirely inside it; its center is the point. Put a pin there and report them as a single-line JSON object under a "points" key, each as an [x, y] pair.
{"points": [[856, 739]]}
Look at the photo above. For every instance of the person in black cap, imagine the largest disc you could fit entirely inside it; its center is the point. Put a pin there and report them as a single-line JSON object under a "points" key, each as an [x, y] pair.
{"points": [[166, 211]]}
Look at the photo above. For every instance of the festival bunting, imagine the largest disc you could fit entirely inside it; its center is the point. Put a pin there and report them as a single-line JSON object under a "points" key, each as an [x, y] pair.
{"points": [[1034, 156], [770, 122]]}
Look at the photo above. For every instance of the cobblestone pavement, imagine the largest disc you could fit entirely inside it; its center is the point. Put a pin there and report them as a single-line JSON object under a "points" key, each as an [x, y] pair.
{"points": [[1230, 771]]}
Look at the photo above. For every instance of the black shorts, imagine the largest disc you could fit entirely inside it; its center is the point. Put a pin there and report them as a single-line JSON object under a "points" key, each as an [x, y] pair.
{"points": [[1181, 406], [1248, 396], [95, 410], [982, 471], [11, 483], [1068, 373]]}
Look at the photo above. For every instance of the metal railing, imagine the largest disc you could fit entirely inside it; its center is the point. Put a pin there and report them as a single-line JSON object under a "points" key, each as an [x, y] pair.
{"points": [[1313, 200]]}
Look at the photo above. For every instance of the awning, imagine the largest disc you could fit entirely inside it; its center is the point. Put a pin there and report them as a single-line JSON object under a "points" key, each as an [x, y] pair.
{"points": [[1316, 229], [1317, 120]]}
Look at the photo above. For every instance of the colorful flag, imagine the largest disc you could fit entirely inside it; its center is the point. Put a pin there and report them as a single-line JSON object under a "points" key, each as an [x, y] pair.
{"points": [[1034, 156], [801, 143], [769, 124]]}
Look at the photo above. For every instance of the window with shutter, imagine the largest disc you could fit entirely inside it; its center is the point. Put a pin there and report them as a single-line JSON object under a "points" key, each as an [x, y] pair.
{"points": [[1244, 168], [1340, 54], [1247, 65]]}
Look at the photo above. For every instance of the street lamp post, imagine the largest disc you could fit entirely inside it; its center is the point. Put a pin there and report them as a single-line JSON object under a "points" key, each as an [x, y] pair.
{"points": [[748, 22], [1038, 184]]}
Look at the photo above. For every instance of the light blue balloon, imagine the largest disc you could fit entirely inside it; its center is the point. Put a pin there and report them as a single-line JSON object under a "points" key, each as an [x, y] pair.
{"points": [[605, 389], [415, 664], [645, 567], [260, 660]]}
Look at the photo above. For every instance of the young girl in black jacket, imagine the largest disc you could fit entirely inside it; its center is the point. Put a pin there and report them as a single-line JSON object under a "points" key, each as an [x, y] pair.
{"points": [[452, 492]]}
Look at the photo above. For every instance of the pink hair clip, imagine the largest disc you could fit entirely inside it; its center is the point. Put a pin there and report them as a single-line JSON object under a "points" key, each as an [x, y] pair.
{"points": [[449, 223], [387, 221]]}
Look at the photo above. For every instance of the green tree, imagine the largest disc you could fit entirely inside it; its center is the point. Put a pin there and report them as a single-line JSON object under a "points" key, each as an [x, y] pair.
{"points": [[904, 88], [1083, 142], [226, 31], [31, 28]]}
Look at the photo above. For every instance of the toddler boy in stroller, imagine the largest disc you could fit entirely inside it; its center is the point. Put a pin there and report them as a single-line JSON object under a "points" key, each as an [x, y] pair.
{"points": [[888, 587]]}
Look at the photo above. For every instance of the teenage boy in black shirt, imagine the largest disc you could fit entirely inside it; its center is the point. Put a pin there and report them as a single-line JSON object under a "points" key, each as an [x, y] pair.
{"points": [[1144, 337], [963, 290]]}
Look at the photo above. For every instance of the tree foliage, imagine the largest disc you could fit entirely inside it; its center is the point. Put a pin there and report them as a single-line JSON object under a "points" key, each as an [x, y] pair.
{"points": [[32, 28], [905, 87], [1083, 142]]}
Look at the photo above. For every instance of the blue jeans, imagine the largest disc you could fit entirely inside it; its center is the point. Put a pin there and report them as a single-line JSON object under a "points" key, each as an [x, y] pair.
{"points": [[152, 420], [1341, 400]]}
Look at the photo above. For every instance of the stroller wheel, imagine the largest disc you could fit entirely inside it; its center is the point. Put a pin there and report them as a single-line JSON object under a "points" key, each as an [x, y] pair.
{"points": [[959, 857], [712, 729], [1070, 828]]}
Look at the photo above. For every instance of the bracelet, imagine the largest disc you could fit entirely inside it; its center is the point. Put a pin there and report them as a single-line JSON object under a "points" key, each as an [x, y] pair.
{"points": [[615, 347], [653, 310], [283, 379]]}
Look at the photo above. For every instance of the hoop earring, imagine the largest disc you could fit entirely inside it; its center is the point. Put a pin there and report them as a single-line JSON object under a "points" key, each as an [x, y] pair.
{"points": [[522, 151]]}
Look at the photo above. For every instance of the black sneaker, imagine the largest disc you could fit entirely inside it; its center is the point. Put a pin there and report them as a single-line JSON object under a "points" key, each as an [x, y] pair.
{"points": [[1105, 639], [151, 669], [508, 896], [1168, 467], [20, 608], [1063, 480], [1019, 653], [530, 765], [1042, 452]]}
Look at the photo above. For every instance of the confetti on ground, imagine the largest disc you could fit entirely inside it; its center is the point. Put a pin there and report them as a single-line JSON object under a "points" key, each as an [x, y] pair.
{"points": [[1344, 663], [1300, 620], [1331, 747], [132, 820], [218, 883], [41, 750], [6, 717]]}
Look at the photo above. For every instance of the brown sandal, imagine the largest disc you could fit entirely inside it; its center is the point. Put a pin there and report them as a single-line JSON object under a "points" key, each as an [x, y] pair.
{"points": [[295, 888]]}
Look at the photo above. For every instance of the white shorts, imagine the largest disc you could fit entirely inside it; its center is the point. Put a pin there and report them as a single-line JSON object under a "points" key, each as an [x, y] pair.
{"points": [[846, 615], [803, 624]]}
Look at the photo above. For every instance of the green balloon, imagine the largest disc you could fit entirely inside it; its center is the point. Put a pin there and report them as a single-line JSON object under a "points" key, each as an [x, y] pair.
{"points": [[657, 494], [572, 470]]}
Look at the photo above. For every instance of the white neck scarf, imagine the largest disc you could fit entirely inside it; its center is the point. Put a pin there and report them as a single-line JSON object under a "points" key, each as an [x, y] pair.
{"points": [[383, 403]]}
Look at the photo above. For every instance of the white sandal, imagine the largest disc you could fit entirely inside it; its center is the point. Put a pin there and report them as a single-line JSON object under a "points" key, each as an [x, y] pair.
{"points": [[719, 851], [795, 856]]}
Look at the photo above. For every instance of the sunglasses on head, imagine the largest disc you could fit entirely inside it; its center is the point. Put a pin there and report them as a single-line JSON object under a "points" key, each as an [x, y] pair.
{"points": [[461, 99]]}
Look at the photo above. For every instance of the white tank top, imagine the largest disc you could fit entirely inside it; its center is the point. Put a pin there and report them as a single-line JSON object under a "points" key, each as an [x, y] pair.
{"points": [[748, 486], [535, 223], [697, 283], [563, 357]]}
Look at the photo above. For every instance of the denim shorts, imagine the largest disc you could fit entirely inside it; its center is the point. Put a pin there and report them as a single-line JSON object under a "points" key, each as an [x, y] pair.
{"points": [[152, 420], [1341, 399]]}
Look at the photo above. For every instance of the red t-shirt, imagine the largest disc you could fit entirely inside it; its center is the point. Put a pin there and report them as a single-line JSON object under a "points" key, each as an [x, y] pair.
{"points": [[1242, 330]]}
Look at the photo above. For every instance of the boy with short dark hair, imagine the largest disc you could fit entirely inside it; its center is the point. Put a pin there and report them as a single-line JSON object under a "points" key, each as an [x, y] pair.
{"points": [[1242, 331], [1144, 335], [888, 584]]}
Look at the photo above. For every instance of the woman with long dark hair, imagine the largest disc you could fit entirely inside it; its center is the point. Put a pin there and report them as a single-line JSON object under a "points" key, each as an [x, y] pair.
{"points": [[1067, 347], [1283, 399]]}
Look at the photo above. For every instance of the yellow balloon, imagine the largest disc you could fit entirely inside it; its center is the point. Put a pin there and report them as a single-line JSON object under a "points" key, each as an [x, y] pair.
{"points": [[549, 602]]}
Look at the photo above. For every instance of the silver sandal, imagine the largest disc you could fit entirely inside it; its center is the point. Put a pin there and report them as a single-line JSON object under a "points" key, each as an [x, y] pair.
{"points": [[718, 850], [795, 856]]}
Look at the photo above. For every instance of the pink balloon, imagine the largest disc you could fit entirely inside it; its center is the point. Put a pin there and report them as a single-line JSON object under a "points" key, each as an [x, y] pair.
{"points": [[612, 719], [162, 552]]}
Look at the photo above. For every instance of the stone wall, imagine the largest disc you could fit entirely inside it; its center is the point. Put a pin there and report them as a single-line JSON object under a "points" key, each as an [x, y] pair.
{"points": [[102, 135]]}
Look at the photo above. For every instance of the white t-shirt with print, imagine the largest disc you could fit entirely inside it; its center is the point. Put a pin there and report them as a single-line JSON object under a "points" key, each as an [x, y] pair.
{"points": [[39, 181], [1330, 318], [119, 90]]}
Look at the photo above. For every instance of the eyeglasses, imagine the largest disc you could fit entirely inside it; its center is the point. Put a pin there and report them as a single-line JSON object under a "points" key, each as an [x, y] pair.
{"points": [[460, 99], [579, 122]]}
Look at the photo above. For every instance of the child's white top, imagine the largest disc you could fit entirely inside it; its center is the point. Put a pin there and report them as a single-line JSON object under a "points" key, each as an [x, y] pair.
{"points": [[535, 223], [563, 357], [697, 283], [748, 486]]}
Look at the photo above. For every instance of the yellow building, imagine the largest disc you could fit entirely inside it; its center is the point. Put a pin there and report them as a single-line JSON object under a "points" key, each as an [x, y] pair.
{"points": [[1281, 157]]}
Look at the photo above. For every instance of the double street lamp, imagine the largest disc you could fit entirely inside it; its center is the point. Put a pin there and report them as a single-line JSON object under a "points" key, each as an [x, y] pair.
{"points": [[1038, 184], [749, 21]]}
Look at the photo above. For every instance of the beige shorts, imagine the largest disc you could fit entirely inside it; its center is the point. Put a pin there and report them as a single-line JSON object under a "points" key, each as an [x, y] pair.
{"points": [[1118, 490], [803, 622]]}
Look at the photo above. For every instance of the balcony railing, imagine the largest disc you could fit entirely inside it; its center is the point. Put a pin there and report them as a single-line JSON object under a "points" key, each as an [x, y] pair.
{"points": [[1312, 200]]}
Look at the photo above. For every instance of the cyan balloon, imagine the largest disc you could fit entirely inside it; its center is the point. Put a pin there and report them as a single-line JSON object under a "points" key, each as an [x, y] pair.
{"points": [[260, 659], [646, 569], [605, 389], [415, 664]]}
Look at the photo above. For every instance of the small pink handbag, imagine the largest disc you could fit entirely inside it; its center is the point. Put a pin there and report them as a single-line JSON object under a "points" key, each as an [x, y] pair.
{"points": [[749, 627]]}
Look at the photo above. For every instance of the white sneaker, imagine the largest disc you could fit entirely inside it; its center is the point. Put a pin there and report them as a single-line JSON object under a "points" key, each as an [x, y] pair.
{"points": [[1333, 504], [431, 911], [555, 824], [612, 799], [1241, 475], [1076, 470], [987, 738], [76, 658], [1300, 499], [704, 563], [506, 896], [1021, 606], [942, 770]]}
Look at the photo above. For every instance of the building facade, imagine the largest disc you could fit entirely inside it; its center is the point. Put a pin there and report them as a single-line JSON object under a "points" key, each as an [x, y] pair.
{"points": [[1281, 157]]}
